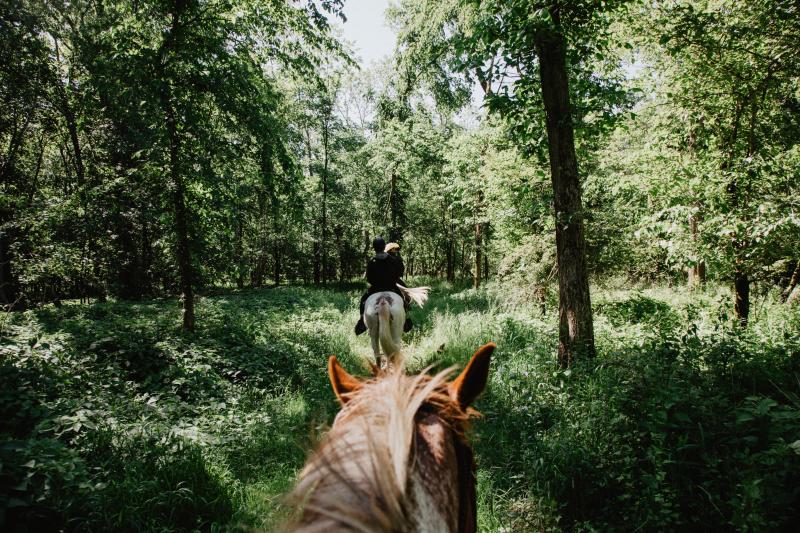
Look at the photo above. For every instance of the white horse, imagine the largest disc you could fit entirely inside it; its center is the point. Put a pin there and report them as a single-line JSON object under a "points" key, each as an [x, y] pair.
{"points": [[384, 316]]}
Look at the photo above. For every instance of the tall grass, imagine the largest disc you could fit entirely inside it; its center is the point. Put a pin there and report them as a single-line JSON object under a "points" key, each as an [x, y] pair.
{"points": [[111, 419]]}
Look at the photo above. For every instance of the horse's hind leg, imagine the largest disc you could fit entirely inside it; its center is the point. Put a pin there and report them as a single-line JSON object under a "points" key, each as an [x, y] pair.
{"points": [[376, 349]]}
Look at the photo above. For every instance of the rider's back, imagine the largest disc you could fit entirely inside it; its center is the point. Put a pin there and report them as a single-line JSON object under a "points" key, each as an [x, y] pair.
{"points": [[382, 272]]}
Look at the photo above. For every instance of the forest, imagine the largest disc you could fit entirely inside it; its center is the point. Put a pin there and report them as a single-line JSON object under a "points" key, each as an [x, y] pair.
{"points": [[609, 190]]}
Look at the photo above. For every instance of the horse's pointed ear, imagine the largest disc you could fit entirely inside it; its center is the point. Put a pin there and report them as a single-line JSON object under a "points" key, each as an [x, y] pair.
{"points": [[472, 380], [342, 382]]}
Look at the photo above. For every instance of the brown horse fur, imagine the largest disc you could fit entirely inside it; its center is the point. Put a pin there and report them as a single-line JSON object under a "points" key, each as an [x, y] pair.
{"points": [[396, 458]]}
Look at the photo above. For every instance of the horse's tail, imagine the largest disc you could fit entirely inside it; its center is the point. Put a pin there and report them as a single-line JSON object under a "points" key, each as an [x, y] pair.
{"points": [[418, 295], [385, 327]]}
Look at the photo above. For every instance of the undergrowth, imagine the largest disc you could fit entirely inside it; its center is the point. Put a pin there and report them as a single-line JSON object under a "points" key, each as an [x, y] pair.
{"points": [[111, 419]]}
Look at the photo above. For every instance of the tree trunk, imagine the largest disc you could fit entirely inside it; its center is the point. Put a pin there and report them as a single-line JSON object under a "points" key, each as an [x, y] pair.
{"points": [[476, 278], [68, 114], [697, 271], [396, 207], [392, 206], [477, 275], [69, 117], [450, 274], [576, 334], [178, 190], [451, 254], [741, 280], [741, 284], [447, 228], [258, 272], [277, 265], [181, 224], [463, 256], [8, 282], [316, 263], [239, 249], [325, 204]]}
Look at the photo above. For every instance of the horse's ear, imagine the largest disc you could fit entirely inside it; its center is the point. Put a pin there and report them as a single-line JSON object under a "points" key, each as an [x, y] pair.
{"points": [[472, 380], [342, 382]]}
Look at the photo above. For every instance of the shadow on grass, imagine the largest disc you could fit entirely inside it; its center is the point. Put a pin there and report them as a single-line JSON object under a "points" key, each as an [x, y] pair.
{"points": [[256, 349]]}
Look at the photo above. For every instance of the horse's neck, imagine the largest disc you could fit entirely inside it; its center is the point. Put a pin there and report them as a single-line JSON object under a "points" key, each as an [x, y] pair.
{"points": [[434, 479]]}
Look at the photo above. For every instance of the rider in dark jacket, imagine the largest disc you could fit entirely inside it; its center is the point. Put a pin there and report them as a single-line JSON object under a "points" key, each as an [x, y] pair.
{"points": [[383, 274]]}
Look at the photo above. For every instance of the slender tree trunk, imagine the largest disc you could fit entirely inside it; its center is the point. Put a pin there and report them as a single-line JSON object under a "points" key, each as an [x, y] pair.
{"points": [[325, 204], [239, 249], [450, 272], [72, 127], [576, 334], [315, 247], [178, 188], [68, 114], [451, 254], [277, 265], [8, 282], [259, 268], [278, 241], [392, 204], [69, 117], [738, 197], [476, 278], [697, 271], [146, 254], [741, 283], [396, 208], [477, 275], [181, 223], [316, 263], [342, 260], [463, 256]]}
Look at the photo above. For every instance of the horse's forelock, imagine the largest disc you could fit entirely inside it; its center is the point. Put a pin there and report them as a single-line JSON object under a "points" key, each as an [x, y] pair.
{"points": [[360, 473]]}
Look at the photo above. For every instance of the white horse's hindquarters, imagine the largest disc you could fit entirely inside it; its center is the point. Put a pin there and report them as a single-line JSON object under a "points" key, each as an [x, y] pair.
{"points": [[388, 335]]}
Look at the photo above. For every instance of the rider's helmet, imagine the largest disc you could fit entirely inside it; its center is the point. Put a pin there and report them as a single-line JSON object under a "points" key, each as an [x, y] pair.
{"points": [[392, 248], [378, 244]]}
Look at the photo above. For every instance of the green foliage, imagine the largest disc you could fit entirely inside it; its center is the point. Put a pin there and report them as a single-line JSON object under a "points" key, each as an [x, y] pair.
{"points": [[683, 424], [685, 116], [110, 419], [109, 423]]}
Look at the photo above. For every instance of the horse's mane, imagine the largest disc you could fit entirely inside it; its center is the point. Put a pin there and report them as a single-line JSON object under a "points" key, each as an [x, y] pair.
{"points": [[358, 478]]}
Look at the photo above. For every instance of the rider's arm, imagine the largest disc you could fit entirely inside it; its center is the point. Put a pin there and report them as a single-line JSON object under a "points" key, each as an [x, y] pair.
{"points": [[372, 273]]}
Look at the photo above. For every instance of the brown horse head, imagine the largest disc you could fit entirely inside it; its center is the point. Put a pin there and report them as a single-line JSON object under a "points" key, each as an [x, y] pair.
{"points": [[397, 458]]}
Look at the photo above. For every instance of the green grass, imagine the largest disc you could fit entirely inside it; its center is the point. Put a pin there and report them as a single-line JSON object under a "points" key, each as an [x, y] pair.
{"points": [[111, 419]]}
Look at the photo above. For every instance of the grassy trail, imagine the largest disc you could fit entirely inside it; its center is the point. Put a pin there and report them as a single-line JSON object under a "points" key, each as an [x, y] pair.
{"points": [[110, 419]]}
